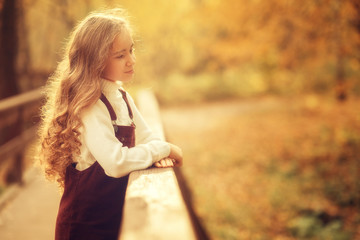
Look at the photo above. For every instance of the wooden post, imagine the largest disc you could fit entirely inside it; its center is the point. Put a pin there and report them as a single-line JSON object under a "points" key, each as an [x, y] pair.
{"points": [[154, 207], [12, 146], [14, 174]]}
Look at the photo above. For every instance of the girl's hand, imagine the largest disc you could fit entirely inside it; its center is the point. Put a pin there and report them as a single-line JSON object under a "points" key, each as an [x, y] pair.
{"points": [[174, 159], [165, 162], [176, 154]]}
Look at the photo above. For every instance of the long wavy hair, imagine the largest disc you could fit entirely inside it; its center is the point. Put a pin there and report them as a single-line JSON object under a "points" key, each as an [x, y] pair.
{"points": [[74, 87]]}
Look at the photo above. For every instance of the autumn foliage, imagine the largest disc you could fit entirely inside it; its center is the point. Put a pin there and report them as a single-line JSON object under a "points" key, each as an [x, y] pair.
{"points": [[283, 164], [240, 47], [267, 168]]}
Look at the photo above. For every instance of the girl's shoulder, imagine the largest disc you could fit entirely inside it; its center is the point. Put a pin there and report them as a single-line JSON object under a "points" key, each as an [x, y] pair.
{"points": [[97, 109]]}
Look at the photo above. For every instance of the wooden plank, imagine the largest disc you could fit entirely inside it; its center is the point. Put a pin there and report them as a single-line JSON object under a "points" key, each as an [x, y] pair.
{"points": [[9, 117], [154, 207], [29, 113], [17, 144], [21, 99]]}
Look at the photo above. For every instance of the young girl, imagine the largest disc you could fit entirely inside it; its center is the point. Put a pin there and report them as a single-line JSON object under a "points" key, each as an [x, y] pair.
{"points": [[92, 134]]}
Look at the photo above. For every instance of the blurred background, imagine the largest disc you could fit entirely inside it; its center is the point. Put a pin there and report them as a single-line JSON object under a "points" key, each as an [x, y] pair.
{"points": [[263, 97]]}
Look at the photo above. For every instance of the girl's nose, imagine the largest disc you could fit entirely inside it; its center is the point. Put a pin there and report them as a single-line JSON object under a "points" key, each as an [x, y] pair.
{"points": [[131, 61]]}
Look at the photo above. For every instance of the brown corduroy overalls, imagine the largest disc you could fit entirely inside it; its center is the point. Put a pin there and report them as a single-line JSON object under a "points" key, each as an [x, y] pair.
{"points": [[92, 202]]}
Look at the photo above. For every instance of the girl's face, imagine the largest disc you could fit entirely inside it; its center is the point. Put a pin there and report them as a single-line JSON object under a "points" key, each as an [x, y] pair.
{"points": [[120, 64]]}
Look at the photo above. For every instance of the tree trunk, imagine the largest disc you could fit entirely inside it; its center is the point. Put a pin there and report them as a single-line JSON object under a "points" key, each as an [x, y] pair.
{"points": [[340, 88], [8, 49]]}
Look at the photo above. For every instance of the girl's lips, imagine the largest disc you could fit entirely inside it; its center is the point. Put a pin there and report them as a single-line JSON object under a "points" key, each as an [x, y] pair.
{"points": [[131, 71]]}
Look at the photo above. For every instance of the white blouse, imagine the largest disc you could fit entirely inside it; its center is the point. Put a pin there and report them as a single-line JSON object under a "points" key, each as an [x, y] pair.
{"points": [[100, 144]]}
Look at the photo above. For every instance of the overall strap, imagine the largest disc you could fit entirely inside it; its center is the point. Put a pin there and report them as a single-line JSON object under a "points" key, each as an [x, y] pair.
{"points": [[109, 107], [111, 110], [127, 103]]}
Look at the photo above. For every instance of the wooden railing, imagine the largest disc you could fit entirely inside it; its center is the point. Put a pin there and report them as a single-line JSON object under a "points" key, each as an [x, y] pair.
{"points": [[18, 118], [154, 207]]}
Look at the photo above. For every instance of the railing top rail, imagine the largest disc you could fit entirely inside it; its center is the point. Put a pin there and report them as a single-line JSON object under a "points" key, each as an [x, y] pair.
{"points": [[154, 207], [20, 99]]}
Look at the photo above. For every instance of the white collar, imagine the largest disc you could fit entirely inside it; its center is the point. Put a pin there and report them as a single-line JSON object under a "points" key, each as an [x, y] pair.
{"points": [[110, 87]]}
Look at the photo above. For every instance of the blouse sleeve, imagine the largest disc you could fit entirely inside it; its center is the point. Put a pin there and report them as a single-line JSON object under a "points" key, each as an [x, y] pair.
{"points": [[116, 159], [143, 132]]}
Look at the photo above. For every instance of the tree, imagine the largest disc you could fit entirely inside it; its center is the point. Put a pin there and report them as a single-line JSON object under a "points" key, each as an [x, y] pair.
{"points": [[8, 48], [312, 41]]}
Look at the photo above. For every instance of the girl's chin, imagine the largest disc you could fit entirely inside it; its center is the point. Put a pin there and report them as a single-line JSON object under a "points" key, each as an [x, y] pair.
{"points": [[127, 79], [124, 79]]}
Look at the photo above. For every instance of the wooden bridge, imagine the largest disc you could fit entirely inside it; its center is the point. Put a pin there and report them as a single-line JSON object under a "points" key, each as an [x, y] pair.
{"points": [[157, 205]]}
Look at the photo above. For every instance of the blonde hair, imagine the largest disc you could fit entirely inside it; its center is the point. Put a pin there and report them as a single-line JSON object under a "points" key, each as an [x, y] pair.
{"points": [[75, 86]]}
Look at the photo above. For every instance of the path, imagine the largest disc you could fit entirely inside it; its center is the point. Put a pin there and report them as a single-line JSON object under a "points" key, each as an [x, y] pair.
{"points": [[31, 214]]}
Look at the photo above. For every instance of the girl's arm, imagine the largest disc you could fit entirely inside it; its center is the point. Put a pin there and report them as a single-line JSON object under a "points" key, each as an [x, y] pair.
{"points": [[145, 135], [143, 132], [175, 158], [117, 161]]}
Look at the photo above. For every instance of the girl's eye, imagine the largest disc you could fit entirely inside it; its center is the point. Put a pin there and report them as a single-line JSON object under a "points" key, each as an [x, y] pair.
{"points": [[120, 56]]}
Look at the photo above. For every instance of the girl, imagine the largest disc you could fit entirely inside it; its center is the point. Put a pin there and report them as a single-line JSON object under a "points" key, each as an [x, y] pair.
{"points": [[92, 135]]}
